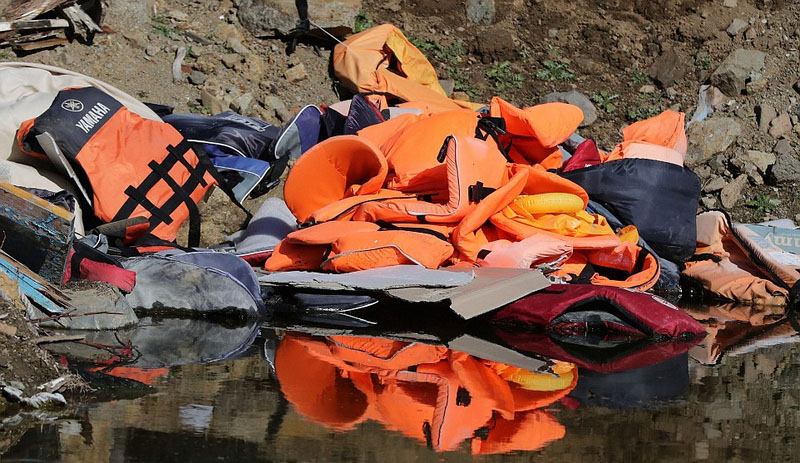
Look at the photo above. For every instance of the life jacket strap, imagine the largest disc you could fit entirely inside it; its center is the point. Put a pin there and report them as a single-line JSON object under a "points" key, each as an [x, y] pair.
{"points": [[182, 193], [390, 226], [478, 192]]}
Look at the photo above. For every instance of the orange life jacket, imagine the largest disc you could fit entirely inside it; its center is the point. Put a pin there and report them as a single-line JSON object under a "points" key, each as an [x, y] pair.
{"points": [[130, 166], [534, 133], [474, 168], [339, 167], [382, 60]]}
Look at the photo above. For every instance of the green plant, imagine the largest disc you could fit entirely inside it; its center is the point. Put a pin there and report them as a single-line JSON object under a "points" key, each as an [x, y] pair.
{"points": [[702, 61], [7, 54], [640, 78], [643, 112], [451, 56], [603, 99], [554, 70], [362, 22], [503, 77], [162, 25], [763, 204]]}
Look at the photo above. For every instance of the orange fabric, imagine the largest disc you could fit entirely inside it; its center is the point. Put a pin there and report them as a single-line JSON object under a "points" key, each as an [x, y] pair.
{"points": [[536, 131], [361, 251], [382, 60], [662, 138], [468, 161], [291, 256], [735, 277], [344, 208], [336, 168], [469, 236], [328, 232], [411, 152], [379, 134]]}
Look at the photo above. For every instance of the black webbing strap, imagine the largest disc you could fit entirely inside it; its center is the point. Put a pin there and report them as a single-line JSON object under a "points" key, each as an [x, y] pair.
{"points": [[150, 181], [443, 150], [182, 194], [478, 192], [494, 127], [390, 226]]}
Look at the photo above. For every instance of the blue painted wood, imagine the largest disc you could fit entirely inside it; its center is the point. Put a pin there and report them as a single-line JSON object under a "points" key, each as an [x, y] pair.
{"points": [[39, 292], [35, 232]]}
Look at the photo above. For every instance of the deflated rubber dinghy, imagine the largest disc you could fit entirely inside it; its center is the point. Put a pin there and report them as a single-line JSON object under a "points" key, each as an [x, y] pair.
{"points": [[199, 282]]}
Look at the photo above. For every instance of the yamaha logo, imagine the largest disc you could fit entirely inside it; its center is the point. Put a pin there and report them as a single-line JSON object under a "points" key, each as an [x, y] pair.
{"points": [[73, 106]]}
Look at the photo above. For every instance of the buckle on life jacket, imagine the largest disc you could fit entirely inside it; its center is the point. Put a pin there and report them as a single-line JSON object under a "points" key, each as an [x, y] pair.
{"points": [[478, 192]]}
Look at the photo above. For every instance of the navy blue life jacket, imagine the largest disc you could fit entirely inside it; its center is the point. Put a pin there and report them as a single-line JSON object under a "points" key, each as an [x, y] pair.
{"points": [[659, 198]]}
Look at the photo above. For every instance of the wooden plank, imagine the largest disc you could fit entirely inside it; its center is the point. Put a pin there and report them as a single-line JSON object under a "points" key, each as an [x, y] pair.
{"points": [[33, 24], [39, 44], [38, 291], [78, 15], [26, 9], [35, 232]]}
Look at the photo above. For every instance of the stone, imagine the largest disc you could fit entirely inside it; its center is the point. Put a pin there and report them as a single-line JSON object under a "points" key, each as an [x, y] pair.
{"points": [[151, 50], [751, 33], [480, 11], [460, 96], [647, 89], [715, 184], [762, 160], [136, 38], [230, 60], [732, 192], [177, 15], [709, 137], [277, 106], [271, 17], [197, 78], [578, 99], [242, 103], [237, 46], [781, 125], [206, 63], [552, 33], [719, 164], [296, 74], [496, 43], [736, 27], [8, 330], [796, 86], [708, 202], [211, 102], [729, 3], [783, 147], [448, 85], [254, 67], [739, 68], [765, 113], [703, 172], [667, 69], [786, 169]]}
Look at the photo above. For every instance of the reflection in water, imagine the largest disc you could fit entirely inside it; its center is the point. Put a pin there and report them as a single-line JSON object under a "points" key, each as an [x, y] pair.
{"points": [[435, 395], [296, 397]]}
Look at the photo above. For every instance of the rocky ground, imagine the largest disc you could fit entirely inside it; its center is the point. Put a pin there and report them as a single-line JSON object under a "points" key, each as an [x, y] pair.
{"points": [[621, 61]]}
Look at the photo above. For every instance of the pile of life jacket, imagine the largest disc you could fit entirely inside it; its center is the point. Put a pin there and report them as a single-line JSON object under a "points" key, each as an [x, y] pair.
{"points": [[434, 182], [429, 393]]}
